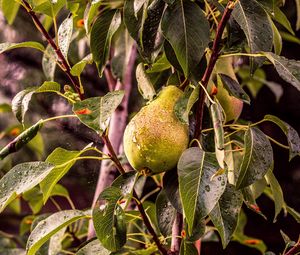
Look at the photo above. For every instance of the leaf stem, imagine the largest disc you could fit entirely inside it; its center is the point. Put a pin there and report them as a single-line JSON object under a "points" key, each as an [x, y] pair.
{"points": [[295, 249], [63, 62], [210, 67], [59, 117]]}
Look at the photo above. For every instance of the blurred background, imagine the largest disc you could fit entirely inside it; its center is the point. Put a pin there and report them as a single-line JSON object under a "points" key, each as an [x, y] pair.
{"points": [[21, 68]]}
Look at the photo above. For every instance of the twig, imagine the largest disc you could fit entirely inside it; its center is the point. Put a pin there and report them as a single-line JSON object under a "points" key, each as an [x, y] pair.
{"points": [[63, 62], [294, 250], [176, 233], [210, 67]]}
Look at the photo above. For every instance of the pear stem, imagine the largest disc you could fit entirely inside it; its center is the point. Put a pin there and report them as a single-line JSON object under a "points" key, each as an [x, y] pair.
{"points": [[210, 67]]}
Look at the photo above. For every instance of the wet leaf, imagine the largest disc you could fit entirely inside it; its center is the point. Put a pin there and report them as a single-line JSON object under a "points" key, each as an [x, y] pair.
{"points": [[92, 248], [78, 68], [225, 214], [199, 193], [95, 112], [101, 33], [63, 160], [187, 30], [257, 160], [48, 227], [21, 178], [256, 25], [145, 85], [291, 135], [234, 88], [288, 69], [49, 63], [64, 36], [165, 213]]}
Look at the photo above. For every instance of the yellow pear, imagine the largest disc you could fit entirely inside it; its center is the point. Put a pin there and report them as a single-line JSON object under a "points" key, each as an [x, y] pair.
{"points": [[154, 139]]}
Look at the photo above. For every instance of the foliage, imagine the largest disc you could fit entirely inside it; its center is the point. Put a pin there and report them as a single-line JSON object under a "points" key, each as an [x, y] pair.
{"points": [[181, 43]]}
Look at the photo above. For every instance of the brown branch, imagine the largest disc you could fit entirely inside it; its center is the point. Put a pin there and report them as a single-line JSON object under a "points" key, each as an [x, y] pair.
{"points": [[176, 233], [210, 67], [62, 60]]}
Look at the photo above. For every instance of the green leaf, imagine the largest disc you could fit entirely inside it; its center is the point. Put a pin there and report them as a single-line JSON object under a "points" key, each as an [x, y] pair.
{"points": [[294, 213], [90, 13], [277, 39], [49, 63], [9, 46], [34, 198], [78, 68], [243, 239], [186, 28], [159, 65], [109, 222], [171, 187], [145, 85], [234, 88], [217, 121], [95, 112], [291, 135], [225, 214], [65, 35], [257, 160], [20, 103], [50, 8], [184, 104], [48, 86], [92, 248], [165, 213], [63, 160], [4, 108], [288, 69], [50, 226], [10, 9], [21, 140], [199, 193], [276, 14], [187, 248], [125, 182], [255, 23], [102, 31], [277, 193], [21, 178]]}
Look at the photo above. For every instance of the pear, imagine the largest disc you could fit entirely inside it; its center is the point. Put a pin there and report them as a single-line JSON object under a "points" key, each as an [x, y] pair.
{"points": [[154, 139]]}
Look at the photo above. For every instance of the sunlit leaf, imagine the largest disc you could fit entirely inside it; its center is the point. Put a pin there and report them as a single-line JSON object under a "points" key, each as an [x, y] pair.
{"points": [[95, 112], [63, 160], [21, 178], [9, 46], [21, 140], [92, 248], [64, 35], [198, 191], [49, 63], [50, 226], [184, 104], [77, 69], [145, 85], [10, 9], [50, 8]]}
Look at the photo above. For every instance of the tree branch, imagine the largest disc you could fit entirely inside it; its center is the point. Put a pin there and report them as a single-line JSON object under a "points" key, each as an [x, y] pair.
{"points": [[176, 233], [210, 67], [294, 250], [62, 60]]}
